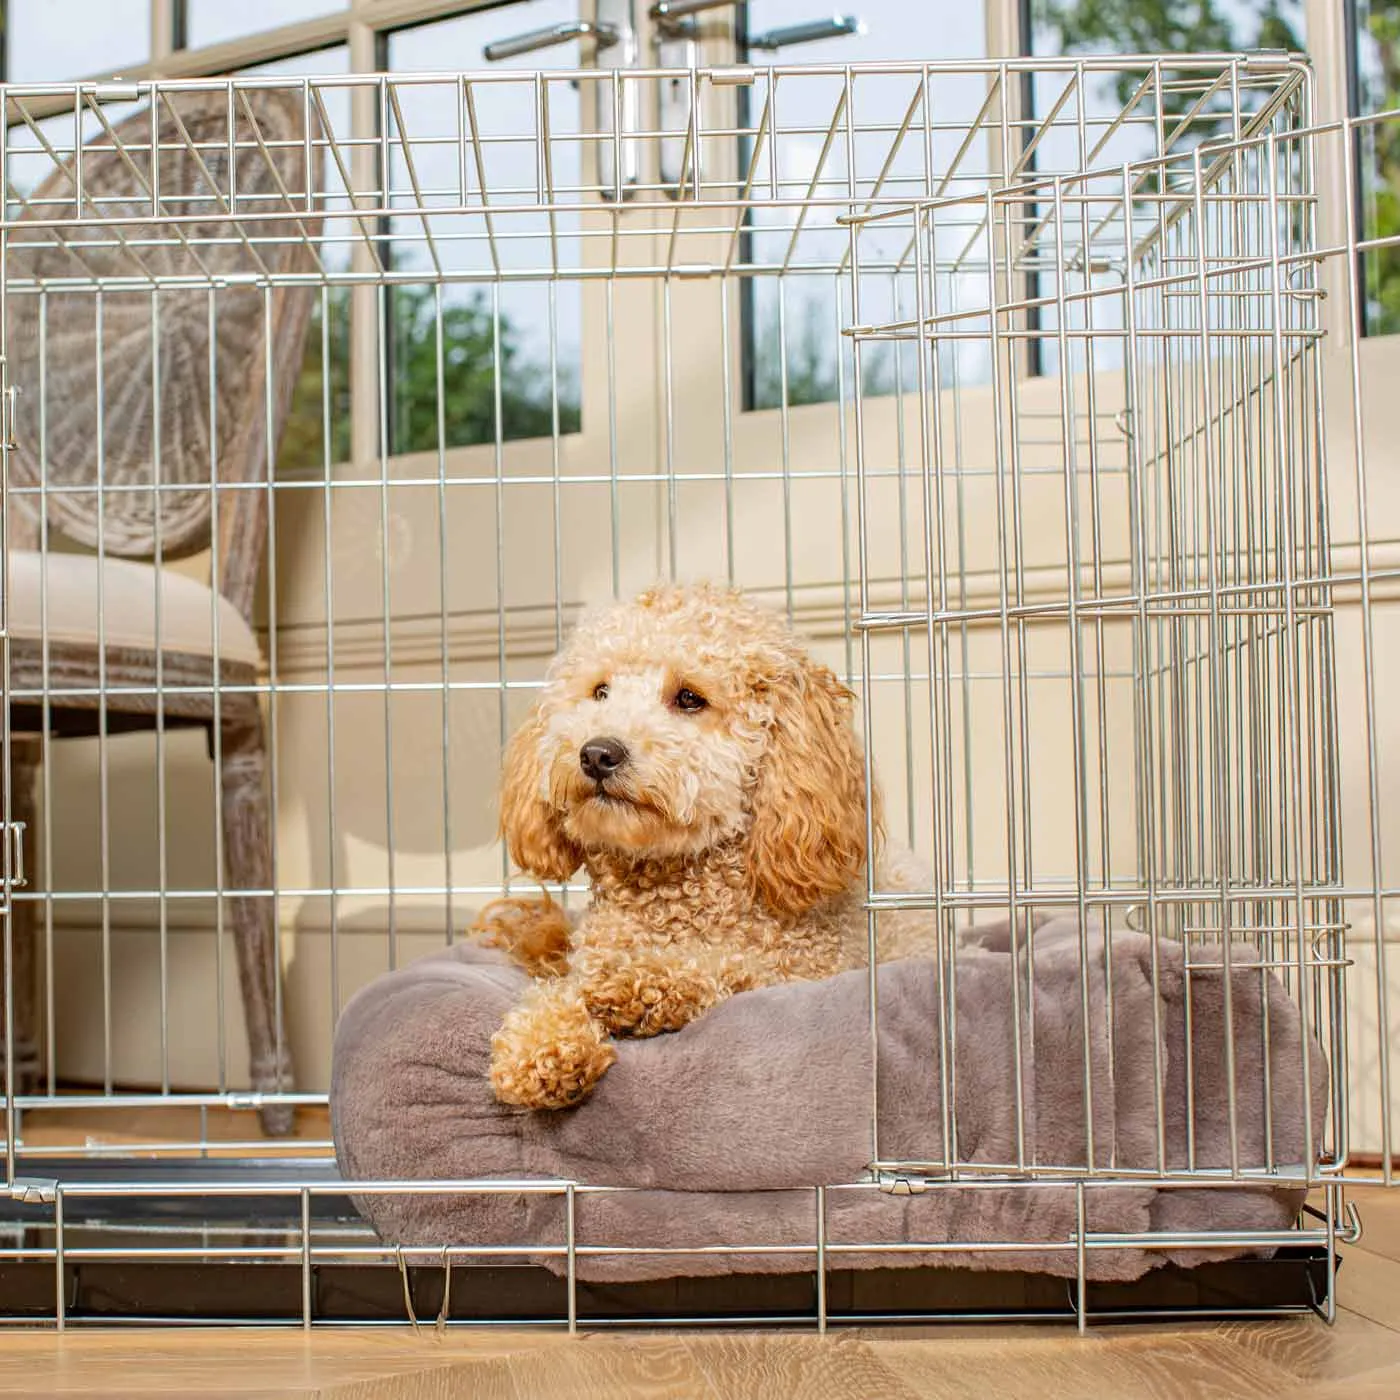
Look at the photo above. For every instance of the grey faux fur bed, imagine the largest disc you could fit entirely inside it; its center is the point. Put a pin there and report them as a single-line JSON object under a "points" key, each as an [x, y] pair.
{"points": [[771, 1091]]}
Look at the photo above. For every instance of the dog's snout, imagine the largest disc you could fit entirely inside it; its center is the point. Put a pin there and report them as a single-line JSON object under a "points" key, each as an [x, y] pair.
{"points": [[601, 758]]}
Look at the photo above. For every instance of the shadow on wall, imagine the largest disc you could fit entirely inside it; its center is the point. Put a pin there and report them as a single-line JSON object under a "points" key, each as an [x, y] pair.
{"points": [[108, 974]]}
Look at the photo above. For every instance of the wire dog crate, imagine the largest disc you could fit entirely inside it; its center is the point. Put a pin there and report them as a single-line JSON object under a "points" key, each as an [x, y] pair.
{"points": [[1031, 390]]}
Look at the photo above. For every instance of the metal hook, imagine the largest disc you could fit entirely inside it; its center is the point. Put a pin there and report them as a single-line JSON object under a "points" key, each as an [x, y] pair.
{"points": [[1352, 1233], [441, 1324], [1318, 937], [407, 1291]]}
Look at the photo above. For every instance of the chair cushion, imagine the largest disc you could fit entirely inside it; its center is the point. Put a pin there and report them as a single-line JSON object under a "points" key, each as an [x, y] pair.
{"points": [[75, 582]]}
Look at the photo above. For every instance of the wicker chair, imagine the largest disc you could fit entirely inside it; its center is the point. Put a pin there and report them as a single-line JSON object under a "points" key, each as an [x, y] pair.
{"points": [[101, 642]]}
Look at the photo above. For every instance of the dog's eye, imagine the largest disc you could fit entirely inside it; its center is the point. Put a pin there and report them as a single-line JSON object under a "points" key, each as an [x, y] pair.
{"points": [[689, 702], [600, 691]]}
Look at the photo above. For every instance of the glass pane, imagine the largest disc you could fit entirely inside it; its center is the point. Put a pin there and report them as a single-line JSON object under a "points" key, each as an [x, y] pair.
{"points": [[1066, 28], [47, 41], [1112, 121], [524, 333], [325, 372], [790, 322], [214, 21], [1378, 90]]}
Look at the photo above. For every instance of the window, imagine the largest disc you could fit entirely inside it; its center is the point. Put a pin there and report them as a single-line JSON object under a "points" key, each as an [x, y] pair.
{"points": [[490, 330], [534, 330], [215, 21], [789, 346], [1376, 31], [1085, 126], [325, 373], [97, 38], [1149, 26], [788, 350]]}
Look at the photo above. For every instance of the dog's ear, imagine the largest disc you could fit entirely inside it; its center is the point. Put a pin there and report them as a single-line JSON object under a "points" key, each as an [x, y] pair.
{"points": [[807, 836], [529, 822]]}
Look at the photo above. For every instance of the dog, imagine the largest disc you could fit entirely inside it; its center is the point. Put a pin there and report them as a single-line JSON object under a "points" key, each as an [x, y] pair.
{"points": [[706, 772]]}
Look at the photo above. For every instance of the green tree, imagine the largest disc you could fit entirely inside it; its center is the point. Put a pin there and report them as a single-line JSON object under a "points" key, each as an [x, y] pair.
{"points": [[1379, 36], [1162, 26], [1171, 26], [1167, 27], [469, 373], [811, 352], [303, 439], [468, 380]]}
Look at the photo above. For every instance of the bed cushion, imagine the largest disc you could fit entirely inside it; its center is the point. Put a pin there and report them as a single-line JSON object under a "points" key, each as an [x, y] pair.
{"points": [[724, 1128]]}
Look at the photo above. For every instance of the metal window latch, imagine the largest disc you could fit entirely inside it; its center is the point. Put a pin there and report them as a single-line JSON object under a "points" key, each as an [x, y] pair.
{"points": [[618, 109], [676, 38], [606, 35], [806, 33], [677, 33]]}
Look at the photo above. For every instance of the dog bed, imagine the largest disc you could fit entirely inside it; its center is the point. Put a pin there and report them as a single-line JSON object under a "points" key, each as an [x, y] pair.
{"points": [[724, 1127]]}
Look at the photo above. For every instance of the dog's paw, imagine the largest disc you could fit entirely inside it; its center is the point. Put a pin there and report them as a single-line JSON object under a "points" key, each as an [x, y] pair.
{"points": [[640, 1001], [548, 1055]]}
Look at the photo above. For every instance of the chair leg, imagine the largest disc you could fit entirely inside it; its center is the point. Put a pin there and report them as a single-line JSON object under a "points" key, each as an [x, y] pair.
{"points": [[248, 862], [25, 752]]}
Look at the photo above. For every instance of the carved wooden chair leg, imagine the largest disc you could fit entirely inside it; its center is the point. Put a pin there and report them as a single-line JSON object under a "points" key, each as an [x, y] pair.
{"points": [[25, 752], [248, 862]]}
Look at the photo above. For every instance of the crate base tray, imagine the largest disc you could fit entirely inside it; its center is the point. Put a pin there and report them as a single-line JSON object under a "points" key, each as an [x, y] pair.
{"points": [[126, 1288], [368, 1294]]}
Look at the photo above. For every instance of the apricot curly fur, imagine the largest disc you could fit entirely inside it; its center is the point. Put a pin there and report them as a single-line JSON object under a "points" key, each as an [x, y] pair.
{"points": [[535, 932], [728, 852]]}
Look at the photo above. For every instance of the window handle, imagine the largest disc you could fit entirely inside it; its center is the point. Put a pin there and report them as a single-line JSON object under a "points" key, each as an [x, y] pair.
{"points": [[606, 36], [806, 33], [677, 39], [676, 36], [669, 13], [617, 107]]}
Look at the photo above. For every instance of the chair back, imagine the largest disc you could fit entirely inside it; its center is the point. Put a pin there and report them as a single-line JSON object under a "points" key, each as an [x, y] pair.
{"points": [[156, 330]]}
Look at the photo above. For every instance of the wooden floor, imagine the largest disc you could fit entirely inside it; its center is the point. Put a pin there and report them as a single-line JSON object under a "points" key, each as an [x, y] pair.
{"points": [[167, 1130], [1360, 1356]]}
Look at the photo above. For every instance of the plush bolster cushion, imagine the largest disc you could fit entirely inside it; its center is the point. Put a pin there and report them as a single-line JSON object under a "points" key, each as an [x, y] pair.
{"points": [[726, 1126]]}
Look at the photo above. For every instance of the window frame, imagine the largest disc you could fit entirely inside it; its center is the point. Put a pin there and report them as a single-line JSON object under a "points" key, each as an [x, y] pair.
{"points": [[1351, 59], [364, 27], [1329, 30]]}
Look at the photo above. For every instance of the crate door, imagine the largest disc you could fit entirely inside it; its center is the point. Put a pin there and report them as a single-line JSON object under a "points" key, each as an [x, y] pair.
{"points": [[501, 469]]}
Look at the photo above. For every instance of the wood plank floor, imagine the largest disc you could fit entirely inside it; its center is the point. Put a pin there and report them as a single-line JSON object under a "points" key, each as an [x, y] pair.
{"points": [[1360, 1356], [224, 1132]]}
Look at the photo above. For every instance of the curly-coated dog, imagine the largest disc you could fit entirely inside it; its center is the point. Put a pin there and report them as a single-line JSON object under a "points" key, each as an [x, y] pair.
{"points": [[705, 771]]}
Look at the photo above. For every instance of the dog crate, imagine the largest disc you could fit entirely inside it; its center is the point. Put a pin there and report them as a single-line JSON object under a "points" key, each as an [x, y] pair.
{"points": [[1034, 392]]}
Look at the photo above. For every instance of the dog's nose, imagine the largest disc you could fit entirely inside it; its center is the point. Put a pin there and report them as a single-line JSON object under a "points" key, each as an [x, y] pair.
{"points": [[601, 758]]}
